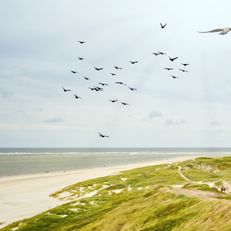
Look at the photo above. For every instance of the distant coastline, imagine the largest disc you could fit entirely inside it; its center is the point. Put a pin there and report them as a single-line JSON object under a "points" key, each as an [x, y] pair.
{"points": [[23, 161]]}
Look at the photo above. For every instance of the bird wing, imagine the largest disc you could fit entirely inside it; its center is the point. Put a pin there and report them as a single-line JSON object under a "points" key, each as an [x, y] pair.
{"points": [[211, 31]]}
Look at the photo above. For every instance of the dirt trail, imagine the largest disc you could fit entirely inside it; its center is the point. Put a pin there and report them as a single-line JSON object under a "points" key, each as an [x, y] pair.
{"points": [[192, 192], [182, 174]]}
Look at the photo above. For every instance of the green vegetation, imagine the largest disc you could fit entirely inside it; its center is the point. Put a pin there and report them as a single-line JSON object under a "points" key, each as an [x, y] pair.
{"points": [[203, 187], [151, 198]]}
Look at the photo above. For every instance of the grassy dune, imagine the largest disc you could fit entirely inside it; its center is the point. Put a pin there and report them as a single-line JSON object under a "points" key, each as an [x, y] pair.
{"points": [[180, 196]]}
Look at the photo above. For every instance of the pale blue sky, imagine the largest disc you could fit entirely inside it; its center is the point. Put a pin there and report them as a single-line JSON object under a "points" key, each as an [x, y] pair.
{"points": [[38, 45]]}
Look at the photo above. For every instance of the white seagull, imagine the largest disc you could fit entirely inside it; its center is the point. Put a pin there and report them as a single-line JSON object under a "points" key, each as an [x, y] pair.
{"points": [[222, 31]]}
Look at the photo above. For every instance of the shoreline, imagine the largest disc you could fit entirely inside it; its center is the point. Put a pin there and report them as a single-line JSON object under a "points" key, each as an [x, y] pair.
{"points": [[23, 196], [68, 172]]}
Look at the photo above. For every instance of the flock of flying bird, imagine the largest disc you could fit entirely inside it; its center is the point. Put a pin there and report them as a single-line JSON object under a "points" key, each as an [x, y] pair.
{"points": [[117, 68], [159, 53]]}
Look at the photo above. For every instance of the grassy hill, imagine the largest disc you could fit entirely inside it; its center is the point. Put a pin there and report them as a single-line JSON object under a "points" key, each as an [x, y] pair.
{"points": [[179, 196]]}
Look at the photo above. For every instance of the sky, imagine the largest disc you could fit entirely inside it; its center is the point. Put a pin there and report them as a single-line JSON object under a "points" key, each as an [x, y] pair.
{"points": [[39, 47]]}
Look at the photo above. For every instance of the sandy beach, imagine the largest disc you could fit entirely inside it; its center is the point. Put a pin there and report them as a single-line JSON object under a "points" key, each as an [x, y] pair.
{"points": [[27, 195]]}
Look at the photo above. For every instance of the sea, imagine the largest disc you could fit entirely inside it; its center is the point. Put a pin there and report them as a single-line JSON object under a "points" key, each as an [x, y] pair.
{"points": [[22, 161]]}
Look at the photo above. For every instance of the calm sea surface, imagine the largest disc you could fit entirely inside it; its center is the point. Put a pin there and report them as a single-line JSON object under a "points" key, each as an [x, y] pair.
{"points": [[16, 161]]}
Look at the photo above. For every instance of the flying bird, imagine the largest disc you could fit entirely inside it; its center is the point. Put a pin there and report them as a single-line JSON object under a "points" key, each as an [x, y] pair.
{"points": [[174, 77], [81, 42], [77, 97], [98, 88], [98, 68], [80, 58], [103, 84], [65, 90], [163, 25], [121, 83], [113, 74], [222, 31], [168, 68], [132, 88], [125, 104], [86, 78], [161, 53], [133, 62], [172, 59], [113, 100], [74, 72], [183, 70], [156, 54], [102, 136], [118, 68], [185, 64]]}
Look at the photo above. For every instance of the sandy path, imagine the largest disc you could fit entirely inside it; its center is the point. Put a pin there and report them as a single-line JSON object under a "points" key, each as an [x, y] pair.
{"points": [[196, 193], [25, 196], [182, 174]]}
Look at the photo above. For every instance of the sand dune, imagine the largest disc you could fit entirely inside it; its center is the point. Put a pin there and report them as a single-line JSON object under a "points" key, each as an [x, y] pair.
{"points": [[27, 195]]}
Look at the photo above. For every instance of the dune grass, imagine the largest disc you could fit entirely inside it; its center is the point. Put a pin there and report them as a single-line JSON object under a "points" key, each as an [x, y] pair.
{"points": [[141, 199]]}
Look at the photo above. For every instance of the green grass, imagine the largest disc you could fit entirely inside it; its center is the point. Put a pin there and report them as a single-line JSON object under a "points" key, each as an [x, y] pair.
{"points": [[141, 199], [208, 169], [203, 187]]}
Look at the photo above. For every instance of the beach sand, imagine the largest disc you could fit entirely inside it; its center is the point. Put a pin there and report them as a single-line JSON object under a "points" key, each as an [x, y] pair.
{"points": [[27, 195]]}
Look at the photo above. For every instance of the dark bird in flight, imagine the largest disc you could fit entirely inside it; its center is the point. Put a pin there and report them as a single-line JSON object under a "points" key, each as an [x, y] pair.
{"points": [[103, 136], [172, 59], [168, 68], [98, 88], [132, 88], [222, 31], [161, 53], [85, 78], [80, 58], [81, 42], [74, 72], [103, 84], [93, 88], [125, 104], [118, 68], [163, 25], [113, 100], [121, 83], [65, 90], [113, 74], [185, 64], [77, 97], [133, 62], [183, 70], [174, 77], [98, 68]]}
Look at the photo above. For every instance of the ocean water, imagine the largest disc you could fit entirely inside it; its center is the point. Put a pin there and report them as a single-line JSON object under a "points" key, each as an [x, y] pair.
{"points": [[17, 161]]}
